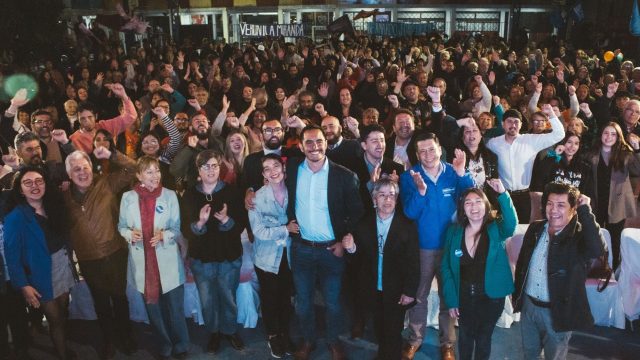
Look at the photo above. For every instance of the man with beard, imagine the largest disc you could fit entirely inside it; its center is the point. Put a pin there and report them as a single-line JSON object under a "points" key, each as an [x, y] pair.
{"points": [[272, 137], [306, 110], [181, 120], [340, 150], [516, 154], [199, 138], [83, 138], [52, 150], [401, 142]]}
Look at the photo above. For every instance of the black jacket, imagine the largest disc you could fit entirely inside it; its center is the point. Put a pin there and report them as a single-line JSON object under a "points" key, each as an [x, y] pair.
{"points": [[388, 166], [401, 261], [567, 265], [345, 206]]}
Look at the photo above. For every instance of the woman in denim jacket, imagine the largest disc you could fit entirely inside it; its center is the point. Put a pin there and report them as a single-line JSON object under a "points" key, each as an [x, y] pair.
{"points": [[270, 249]]}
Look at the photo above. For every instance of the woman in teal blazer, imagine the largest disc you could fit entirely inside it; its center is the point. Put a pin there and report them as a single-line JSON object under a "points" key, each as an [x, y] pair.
{"points": [[476, 275]]}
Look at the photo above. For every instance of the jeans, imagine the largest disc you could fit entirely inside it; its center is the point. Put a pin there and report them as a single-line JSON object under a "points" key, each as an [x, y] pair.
{"points": [[310, 265], [107, 281], [429, 268], [217, 284], [537, 331], [169, 323], [275, 298], [478, 317]]}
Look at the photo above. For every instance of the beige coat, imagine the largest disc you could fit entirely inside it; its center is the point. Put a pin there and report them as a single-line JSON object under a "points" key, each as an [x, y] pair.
{"points": [[622, 202]]}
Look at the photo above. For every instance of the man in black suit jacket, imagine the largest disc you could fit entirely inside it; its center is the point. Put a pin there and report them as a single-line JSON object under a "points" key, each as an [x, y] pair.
{"points": [[342, 151], [386, 238], [272, 137], [324, 200]]}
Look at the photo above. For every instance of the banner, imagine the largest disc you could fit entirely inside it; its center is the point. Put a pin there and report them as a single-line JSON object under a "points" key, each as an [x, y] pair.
{"points": [[396, 29], [341, 25], [273, 30]]}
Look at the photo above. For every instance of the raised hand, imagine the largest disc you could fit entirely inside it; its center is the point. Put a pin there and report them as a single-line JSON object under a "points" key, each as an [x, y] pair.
{"points": [[496, 100], [434, 94], [584, 200], [60, 136], [19, 98], [478, 79], [496, 185], [323, 90], [101, 153], [584, 107], [419, 182], [166, 87], [194, 104], [351, 124], [192, 141], [393, 100], [295, 122], [288, 102], [538, 88], [159, 112], [548, 110], [459, 162], [402, 76], [572, 90], [117, 90], [225, 102], [612, 88], [492, 77], [319, 107], [375, 173], [12, 159], [634, 141]]}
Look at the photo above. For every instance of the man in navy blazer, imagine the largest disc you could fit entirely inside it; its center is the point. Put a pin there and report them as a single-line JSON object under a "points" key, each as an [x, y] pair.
{"points": [[324, 200]]}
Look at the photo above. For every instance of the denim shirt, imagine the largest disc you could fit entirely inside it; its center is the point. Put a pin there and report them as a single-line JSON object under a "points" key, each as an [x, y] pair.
{"points": [[269, 225]]}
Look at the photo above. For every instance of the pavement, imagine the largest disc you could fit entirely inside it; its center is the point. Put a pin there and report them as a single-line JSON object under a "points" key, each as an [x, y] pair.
{"points": [[600, 343]]}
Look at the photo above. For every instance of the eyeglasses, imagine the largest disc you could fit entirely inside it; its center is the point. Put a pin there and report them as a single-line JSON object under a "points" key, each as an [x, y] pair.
{"points": [[181, 119], [31, 183], [42, 122], [391, 196], [269, 131], [207, 167]]}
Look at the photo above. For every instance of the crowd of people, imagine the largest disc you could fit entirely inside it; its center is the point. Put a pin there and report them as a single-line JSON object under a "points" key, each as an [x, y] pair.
{"points": [[362, 168]]}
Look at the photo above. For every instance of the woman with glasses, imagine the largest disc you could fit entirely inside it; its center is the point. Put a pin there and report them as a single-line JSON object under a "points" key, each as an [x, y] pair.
{"points": [[150, 222], [476, 275], [213, 217], [36, 250], [386, 244]]}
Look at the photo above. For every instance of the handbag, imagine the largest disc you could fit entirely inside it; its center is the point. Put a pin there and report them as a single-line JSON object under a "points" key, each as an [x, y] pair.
{"points": [[599, 269]]}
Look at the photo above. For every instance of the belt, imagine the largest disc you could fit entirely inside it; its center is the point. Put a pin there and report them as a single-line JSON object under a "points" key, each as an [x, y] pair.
{"points": [[316, 243], [522, 191], [538, 303], [473, 289]]}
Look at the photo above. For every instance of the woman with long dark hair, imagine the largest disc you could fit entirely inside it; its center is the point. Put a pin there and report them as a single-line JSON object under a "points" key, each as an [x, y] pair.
{"points": [[36, 250], [613, 160], [476, 274]]}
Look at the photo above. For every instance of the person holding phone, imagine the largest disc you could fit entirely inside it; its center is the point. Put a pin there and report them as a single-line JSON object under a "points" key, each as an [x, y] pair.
{"points": [[213, 218]]}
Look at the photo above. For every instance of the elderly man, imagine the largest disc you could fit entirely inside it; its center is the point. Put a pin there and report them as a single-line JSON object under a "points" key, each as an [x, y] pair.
{"points": [[92, 203], [551, 272]]}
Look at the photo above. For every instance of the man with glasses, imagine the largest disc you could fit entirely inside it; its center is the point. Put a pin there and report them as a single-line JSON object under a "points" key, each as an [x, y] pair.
{"points": [[272, 138], [199, 138], [324, 201], [516, 154]]}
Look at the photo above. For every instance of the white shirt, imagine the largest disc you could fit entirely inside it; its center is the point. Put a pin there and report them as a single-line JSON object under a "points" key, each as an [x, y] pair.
{"points": [[515, 160]]}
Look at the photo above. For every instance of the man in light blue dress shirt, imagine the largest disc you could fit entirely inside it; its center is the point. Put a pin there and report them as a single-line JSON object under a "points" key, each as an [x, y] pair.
{"points": [[324, 200]]}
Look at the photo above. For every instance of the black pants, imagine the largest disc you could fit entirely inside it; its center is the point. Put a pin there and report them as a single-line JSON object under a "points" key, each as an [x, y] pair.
{"points": [[107, 280], [13, 312], [478, 317], [275, 298], [388, 322], [522, 203], [615, 230], [353, 292]]}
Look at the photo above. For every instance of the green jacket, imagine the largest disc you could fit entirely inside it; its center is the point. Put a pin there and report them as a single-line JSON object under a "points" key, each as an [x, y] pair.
{"points": [[498, 278]]}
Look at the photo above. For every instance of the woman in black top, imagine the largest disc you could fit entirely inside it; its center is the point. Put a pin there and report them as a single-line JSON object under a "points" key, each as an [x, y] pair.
{"points": [[565, 164], [213, 217]]}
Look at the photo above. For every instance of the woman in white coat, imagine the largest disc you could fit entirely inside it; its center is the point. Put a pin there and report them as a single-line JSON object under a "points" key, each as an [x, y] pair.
{"points": [[150, 222]]}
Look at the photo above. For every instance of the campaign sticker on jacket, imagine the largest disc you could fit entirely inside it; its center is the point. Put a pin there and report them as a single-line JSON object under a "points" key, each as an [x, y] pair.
{"points": [[159, 209], [448, 192], [458, 253]]}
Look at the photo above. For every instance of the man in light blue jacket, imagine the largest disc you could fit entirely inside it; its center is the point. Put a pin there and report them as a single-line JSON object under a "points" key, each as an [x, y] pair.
{"points": [[429, 192]]}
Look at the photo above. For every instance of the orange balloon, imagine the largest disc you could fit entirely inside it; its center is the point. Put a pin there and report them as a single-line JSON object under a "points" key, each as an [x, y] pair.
{"points": [[608, 56]]}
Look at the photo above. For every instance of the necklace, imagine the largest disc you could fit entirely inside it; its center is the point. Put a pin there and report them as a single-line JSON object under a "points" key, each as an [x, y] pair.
{"points": [[209, 197]]}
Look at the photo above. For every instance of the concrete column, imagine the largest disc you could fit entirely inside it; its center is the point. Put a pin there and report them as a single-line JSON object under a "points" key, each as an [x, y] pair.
{"points": [[225, 25]]}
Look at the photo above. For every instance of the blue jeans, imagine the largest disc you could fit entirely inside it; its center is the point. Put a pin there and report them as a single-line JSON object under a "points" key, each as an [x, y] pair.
{"points": [[537, 331], [217, 284], [169, 323], [308, 265]]}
